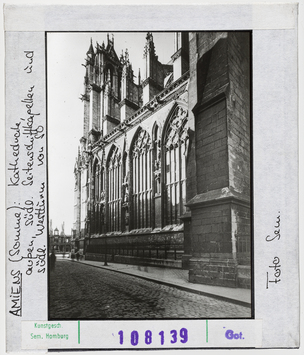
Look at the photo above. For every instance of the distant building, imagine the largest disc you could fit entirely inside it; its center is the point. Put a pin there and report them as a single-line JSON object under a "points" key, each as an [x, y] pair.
{"points": [[162, 176], [60, 243]]}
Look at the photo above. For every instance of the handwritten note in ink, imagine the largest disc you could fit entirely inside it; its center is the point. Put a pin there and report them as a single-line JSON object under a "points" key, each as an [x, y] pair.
{"points": [[273, 276], [26, 183]]}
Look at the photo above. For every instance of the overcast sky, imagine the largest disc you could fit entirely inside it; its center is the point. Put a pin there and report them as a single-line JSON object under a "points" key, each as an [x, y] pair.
{"points": [[65, 54]]}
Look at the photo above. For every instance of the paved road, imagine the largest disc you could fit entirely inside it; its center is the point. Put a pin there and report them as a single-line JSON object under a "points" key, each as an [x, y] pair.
{"points": [[80, 291]]}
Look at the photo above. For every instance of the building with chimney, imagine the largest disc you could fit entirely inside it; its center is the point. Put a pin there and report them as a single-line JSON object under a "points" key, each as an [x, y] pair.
{"points": [[162, 175]]}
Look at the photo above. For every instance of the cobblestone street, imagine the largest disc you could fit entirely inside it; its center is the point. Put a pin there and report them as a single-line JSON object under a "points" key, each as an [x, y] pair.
{"points": [[79, 291]]}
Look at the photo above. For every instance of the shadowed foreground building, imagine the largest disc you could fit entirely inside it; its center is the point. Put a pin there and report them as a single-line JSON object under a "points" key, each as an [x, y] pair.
{"points": [[162, 175]]}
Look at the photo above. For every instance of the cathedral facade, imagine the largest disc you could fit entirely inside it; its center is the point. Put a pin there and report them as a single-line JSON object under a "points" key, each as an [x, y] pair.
{"points": [[163, 171]]}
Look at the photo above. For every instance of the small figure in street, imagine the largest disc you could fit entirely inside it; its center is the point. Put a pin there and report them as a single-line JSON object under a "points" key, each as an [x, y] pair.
{"points": [[77, 255], [63, 255], [52, 260]]}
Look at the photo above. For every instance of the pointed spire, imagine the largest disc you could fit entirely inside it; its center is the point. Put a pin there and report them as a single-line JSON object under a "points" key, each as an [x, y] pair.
{"points": [[110, 41], [121, 58], [91, 49], [149, 47], [139, 79], [149, 36], [127, 56]]}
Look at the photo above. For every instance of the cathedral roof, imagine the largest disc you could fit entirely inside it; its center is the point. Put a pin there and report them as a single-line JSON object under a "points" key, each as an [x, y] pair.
{"points": [[108, 50]]}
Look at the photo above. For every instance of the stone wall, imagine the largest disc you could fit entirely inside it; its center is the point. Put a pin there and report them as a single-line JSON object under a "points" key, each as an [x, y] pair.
{"points": [[220, 209], [211, 148], [211, 226], [238, 115], [163, 249]]}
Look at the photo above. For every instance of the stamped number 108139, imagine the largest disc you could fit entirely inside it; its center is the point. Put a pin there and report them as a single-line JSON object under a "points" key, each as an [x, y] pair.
{"points": [[172, 338]]}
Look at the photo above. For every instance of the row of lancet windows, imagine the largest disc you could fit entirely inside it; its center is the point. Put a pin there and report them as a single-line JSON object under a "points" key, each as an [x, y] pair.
{"points": [[126, 187]]}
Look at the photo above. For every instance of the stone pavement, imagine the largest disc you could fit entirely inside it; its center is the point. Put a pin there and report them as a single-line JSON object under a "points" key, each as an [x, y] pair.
{"points": [[178, 278], [78, 290]]}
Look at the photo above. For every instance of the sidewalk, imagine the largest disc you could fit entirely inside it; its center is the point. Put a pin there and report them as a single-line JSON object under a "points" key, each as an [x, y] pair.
{"points": [[177, 278]]}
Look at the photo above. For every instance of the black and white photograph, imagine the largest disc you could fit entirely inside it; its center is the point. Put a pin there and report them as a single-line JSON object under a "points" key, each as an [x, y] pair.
{"points": [[149, 175]]}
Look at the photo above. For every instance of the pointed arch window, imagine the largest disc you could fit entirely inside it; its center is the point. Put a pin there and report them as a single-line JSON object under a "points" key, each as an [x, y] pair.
{"points": [[114, 191], [125, 193], [141, 168], [95, 192], [97, 178], [157, 160], [175, 150], [98, 198], [108, 75]]}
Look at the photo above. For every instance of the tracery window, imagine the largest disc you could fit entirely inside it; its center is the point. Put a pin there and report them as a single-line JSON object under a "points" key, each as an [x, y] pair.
{"points": [[97, 176], [142, 181], [157, 160], [98, 194], [114, 191], [108, 75], [175, 150], [125, 194]]}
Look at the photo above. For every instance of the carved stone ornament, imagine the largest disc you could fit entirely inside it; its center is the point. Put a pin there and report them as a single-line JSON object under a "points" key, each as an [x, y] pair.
{"points": [[76, 180], [154, 104], [177, 131], [84, 97], [102, 196], [143, 143], [157, 174], [83, 159], [125, 186], [181, 113], [115, 161]]}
